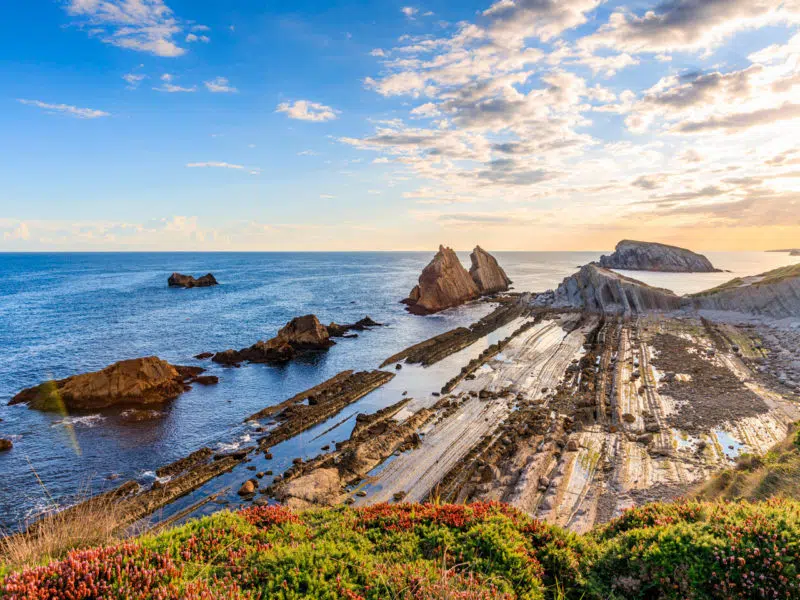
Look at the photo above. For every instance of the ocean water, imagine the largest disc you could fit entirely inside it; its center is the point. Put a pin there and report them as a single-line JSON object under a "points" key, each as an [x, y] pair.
{"points": [[62, 314]]}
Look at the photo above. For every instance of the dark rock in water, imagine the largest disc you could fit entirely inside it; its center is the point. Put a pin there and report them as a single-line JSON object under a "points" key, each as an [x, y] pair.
{"points": [[248, 488], [187, 281], [204, 355], [136, 382], [650, 256], [301, 333], [486, 273], [5, 445], [336, 330], [206, 380]]}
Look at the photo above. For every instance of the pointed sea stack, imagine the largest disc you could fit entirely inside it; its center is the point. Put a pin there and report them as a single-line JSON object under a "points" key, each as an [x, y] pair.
{"points": [[486, 273], [444, 283]]}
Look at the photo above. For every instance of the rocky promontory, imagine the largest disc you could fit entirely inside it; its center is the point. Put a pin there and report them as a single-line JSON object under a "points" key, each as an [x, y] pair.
{"points": [[486, 273], [299, 334], [596, 289], [630, 255], [773, 294], [134, 382], [187, 281], [445, 283]]}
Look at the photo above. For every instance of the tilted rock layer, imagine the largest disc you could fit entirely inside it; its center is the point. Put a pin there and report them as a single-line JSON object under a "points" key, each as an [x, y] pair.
{"points": [[596, 289], [139, 381], [649, 256], [486, 273], [444, 283], [773, 294]]}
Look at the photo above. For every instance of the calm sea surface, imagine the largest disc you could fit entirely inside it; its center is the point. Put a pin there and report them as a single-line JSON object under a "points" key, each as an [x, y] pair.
{"points": [[62, 314]]}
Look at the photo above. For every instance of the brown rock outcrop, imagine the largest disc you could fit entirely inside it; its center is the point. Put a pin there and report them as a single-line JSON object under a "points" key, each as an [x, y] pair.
{"points": [[134, 382], [486, 273], [5, 445], [299, 334], [444, 283], [187, 281], [337, 330]]}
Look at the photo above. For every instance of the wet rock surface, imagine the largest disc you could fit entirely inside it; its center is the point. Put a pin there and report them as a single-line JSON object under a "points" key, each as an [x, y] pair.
{"points": [[136, 382], [5, 445], [337, 330], [187, 281], [650, 256]]}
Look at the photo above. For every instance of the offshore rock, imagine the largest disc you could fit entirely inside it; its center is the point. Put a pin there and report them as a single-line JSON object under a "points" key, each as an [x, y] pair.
{"points": [[595, 289], [299, 334], [444, 283], [187, 281], [486, 273], [773, 294], [135, 382], [336, 330], [649, 256], [5, 445]]}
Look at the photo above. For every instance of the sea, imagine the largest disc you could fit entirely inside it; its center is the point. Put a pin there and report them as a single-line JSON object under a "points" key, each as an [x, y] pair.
{"points": [[68, 313]]}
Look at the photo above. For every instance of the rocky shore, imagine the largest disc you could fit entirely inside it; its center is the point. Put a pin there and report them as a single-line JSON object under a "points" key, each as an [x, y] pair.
{"points": [[136, 382], [650, 256]]}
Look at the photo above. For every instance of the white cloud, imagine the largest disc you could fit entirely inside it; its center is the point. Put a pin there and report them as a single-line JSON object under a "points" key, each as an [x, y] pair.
{"points": [[66, 109], [141, 25], [305, 110], [326, 197], [307, 153], [215, 165], [20, 232], [192, 37], [378, 52], [134, 79], [171, 88], [220, 85], [409, 11]]}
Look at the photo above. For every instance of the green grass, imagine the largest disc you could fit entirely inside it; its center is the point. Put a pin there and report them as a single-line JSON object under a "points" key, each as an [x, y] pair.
{"points": [[481, 551], [768, 278]]}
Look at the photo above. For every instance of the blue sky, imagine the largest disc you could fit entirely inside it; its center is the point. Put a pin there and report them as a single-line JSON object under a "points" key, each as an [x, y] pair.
{"points": [[517, 124]]}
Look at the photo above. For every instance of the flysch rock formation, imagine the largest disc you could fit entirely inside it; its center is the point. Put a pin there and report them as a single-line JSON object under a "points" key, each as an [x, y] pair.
{"points": [[299, 334], [445, 283], [187, 281], [486, 273], [600, 290], [773, 294], [134, 382], [649, 256]]}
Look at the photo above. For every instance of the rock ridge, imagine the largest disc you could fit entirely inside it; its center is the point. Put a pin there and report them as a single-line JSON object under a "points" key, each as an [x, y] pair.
{"points": [[631, 255]]}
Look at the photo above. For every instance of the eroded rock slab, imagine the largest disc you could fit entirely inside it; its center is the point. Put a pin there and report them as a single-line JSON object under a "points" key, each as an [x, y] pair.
{"points": [[444, 283], [487, 274]]}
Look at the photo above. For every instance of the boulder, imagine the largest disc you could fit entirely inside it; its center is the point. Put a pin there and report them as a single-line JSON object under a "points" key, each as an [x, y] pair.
{"points": [[134, 382], [187, 281], [5, 445], [486, 273], [650, 256], [299, 334], [444, 283]]}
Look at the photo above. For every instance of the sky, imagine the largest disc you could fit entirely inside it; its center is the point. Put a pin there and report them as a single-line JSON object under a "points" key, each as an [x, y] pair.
{"points": [[398, 125]]}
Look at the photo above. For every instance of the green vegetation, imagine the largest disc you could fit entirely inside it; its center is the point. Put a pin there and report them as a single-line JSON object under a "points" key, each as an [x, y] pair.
{"points": [[768, 278], [776, 474], [410, 551]]}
